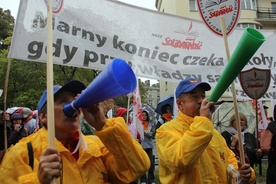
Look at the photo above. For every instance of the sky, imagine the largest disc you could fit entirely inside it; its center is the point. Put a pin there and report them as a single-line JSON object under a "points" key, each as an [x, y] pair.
{"points": [[12, 5]]}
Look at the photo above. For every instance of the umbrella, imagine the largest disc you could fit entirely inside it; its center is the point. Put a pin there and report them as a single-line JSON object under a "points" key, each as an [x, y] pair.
{"points": [[149, 108], [223, 113], [167, 100], [12, 110], [25, 111]]}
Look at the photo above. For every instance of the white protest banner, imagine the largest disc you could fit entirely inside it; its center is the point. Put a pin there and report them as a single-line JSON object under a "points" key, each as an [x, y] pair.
{"points": [[157, 45]]}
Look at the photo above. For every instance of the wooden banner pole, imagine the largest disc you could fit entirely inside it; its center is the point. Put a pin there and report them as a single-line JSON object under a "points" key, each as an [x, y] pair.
{"points": [[237, 117], [257, 128], [5, 103], [50, 88]]}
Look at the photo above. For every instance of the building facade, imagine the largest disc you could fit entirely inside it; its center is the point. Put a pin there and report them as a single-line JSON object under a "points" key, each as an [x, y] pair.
{"points": [[153, 95]]}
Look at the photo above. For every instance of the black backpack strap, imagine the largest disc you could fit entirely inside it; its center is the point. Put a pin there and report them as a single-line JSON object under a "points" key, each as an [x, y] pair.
{"points": [[31, 155]]}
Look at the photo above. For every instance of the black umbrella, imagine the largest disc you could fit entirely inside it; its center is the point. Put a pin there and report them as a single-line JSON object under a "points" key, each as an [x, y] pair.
{"points": [[164, 101]]}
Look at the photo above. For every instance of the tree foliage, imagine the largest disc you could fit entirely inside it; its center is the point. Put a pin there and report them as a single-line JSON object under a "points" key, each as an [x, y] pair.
{"points": [[28, 80], [6, 28]]}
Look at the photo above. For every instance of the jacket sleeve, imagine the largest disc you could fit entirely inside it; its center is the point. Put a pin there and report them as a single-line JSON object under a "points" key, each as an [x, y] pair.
{"points": [[181, 152], [123, 156], [17, 158]]}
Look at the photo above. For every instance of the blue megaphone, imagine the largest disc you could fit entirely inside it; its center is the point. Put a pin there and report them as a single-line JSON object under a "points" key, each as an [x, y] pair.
{"points": [[115, 80]]}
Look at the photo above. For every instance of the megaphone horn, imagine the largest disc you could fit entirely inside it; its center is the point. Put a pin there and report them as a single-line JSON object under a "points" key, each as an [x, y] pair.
{"points": [[249, 43], [115, 80]]}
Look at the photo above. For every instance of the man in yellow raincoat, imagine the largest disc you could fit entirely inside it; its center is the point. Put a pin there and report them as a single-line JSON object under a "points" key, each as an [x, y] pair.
{"points": [[112, 156], [190, 150]]}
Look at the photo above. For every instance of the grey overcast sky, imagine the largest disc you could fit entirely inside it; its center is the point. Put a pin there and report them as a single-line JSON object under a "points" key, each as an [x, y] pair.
{"points": [[13, 4]]}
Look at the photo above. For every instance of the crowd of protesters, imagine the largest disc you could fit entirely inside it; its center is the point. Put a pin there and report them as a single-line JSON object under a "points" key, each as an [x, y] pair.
{"points": [[22, 122]]}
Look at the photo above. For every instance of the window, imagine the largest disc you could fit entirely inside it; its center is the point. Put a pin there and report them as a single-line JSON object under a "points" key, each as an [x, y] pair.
{"points": [[193, 5], [242, 6], [245, 25], [273, 6], [248, 5], [254, 4]]}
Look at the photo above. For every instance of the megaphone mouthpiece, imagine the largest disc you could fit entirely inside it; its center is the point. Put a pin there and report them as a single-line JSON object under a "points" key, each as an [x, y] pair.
{"points": [[69, 110]]}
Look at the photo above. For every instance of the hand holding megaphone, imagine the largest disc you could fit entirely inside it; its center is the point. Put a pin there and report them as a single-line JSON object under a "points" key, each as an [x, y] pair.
{"points": [[94, 116], [115, 80]]}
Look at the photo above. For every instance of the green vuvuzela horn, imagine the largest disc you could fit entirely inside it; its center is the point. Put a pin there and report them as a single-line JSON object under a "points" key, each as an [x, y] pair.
{"points": [[249, 43]]}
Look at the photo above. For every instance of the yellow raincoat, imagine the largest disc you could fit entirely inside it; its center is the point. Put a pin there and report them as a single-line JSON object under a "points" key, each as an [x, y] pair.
{"points": [[112, 156], [190, 150]]}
